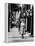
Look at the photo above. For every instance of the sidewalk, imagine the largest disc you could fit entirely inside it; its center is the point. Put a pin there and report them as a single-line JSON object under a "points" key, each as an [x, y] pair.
{"points": [[15, 35]]}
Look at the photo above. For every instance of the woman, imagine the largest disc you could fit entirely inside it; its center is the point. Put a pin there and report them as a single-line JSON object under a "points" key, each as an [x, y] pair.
{"points": [[22, 27]]}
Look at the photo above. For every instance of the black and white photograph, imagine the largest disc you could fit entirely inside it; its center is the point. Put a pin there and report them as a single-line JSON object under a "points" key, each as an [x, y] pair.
{"points": [[20, 22]]}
